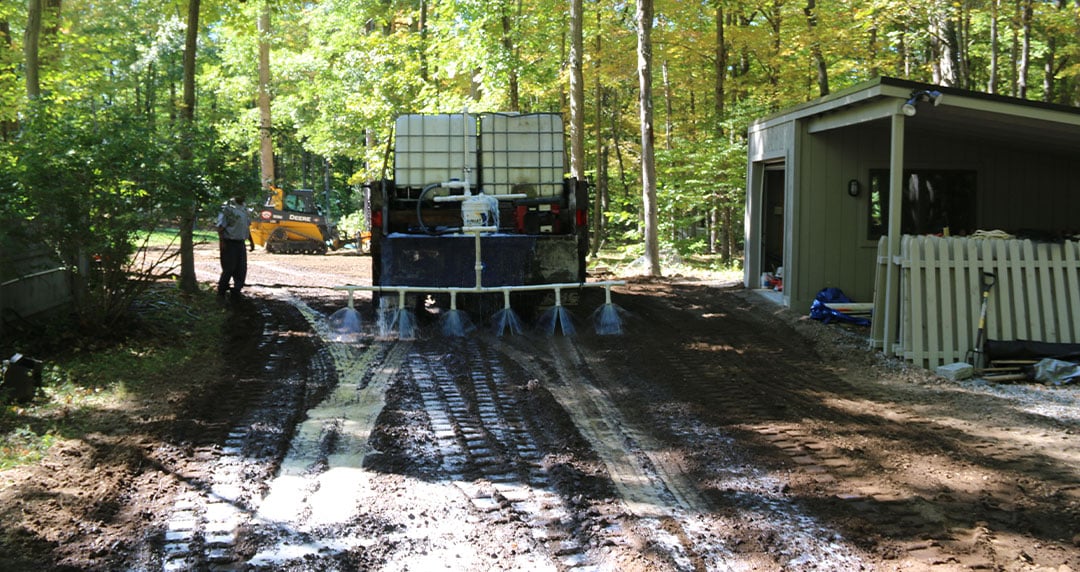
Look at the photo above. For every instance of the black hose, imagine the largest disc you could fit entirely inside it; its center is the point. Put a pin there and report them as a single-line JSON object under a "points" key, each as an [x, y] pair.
{"points": [[419, 210], [420, 214]]}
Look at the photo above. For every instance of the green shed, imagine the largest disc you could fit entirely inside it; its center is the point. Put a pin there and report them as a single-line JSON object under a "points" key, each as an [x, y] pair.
{"points": [[834, 185]]}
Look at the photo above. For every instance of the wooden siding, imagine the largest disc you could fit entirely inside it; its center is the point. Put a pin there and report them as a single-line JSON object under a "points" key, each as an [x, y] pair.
{"points": [[770, 142], [1018, 188], [831, 226], [1036, 294]]}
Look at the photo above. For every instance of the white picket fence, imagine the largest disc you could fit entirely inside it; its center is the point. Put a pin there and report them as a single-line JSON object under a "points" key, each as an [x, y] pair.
{"points": [[1035, 296]]}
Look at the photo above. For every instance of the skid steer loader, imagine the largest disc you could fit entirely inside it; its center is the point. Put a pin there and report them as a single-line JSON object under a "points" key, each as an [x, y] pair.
{"points": [[291, 222]]}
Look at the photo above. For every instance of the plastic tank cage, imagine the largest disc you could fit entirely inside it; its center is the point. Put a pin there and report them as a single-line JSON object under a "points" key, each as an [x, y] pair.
{"points": [[501, 153]]}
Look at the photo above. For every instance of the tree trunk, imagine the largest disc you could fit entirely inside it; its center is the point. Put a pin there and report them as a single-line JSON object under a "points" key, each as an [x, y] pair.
{"points": [[815, 48], [8, 125], [616, 139], [905, 53], [187, 113], [31, 44], [872, 49], [714, 226], [941, 70], [474, 86], [1050, 66], [423, 29], [600, 200], [992, 84], [602, 152], [667, 104], [1025, 51], [511, 55], [648, 150], [577, 94], [172, 103], [728, 237], [266, 135], [720, 70], [775, 19], [957, 24]]}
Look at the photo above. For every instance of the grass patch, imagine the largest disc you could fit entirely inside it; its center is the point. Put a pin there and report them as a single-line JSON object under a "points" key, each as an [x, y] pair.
{"points": [[108, 386], [628, 262], [22, 446], [170, 237]]}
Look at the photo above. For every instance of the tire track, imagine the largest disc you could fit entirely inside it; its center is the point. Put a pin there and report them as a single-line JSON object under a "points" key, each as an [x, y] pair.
{"points": [[488, 450], [649, 487], [653, 489], [204, 526], [321, 480]]}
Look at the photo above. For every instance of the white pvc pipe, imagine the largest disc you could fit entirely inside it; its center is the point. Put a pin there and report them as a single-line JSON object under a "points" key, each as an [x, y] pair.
{"points": [[607, 284], [458, 198], [478, 265]]}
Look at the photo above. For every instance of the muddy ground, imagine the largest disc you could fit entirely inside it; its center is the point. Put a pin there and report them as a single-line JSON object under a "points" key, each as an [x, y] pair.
{"points": [[719, 432]]}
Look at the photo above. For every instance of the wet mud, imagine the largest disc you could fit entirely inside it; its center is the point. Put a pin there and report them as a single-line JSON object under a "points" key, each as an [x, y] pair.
{"points": [[716, 432]]}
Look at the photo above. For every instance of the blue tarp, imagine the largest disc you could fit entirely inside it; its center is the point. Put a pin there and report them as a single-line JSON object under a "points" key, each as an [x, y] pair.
{"points": [[820, 309]]}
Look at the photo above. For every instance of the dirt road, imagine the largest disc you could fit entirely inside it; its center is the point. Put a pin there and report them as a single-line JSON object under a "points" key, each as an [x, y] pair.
{"points": [[718, 433]]}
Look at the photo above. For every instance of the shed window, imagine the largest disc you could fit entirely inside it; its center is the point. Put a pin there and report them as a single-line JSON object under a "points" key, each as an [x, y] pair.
{"points": [[936, 201]]}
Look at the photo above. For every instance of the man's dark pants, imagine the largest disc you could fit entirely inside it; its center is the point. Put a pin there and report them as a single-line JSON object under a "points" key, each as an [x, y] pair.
{"points": [[233, 265]]}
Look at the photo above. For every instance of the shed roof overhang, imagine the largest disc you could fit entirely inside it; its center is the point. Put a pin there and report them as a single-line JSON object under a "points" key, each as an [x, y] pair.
{"points": [[963, 113]]}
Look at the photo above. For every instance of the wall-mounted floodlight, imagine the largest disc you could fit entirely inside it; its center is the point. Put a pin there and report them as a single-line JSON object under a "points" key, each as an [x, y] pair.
{"points": [[934, 96]]}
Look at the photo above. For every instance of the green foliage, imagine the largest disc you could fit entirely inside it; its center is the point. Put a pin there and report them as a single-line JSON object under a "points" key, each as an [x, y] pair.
{"points": [[12, 202], [96, 180], [95, 386], [87, 178], [170, 238], [23, 446], [352, 224]]}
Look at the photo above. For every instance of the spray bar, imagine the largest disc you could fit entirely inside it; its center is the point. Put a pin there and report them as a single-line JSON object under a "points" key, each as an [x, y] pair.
{"points": [[455, 290]]}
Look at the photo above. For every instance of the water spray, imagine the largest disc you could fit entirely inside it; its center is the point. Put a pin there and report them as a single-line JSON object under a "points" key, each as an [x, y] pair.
{"points": [[455, 323], [506, 320], [607, 319]]}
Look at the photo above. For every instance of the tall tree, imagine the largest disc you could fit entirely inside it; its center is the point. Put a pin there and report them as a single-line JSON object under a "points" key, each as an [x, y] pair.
{"points": [[992, 83], [648, 140], [600, 192], [187, 115], [266, 134], [511, 56], [31, 45], [720, 63], [1025, 9], [815, 48], [1052, 64], [577, 93]]}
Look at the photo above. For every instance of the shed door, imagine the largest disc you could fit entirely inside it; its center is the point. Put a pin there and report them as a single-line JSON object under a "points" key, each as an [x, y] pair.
{"points": [[772, 223]]}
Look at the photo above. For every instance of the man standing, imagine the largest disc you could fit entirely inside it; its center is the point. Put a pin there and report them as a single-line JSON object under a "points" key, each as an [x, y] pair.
{"points": [[232, 227]]}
